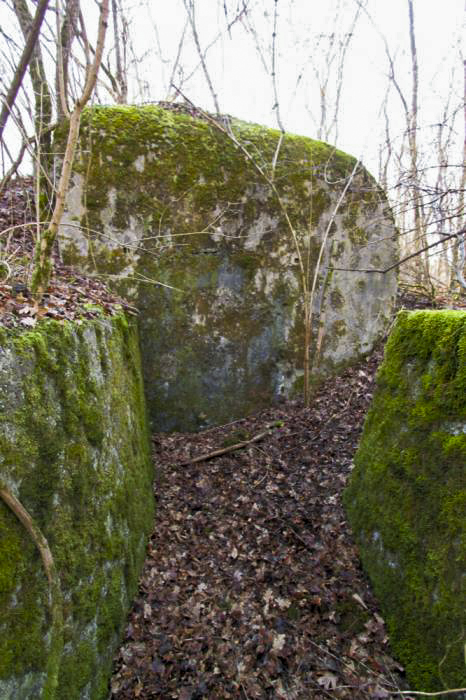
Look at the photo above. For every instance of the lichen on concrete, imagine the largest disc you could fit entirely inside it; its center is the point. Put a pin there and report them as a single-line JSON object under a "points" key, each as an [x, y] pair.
{"points": [[74, 451], [206, 248], [406, 500]]}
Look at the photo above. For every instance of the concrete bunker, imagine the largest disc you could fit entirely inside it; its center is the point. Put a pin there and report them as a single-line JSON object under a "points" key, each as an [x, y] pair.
{"points": [[217, 250]]}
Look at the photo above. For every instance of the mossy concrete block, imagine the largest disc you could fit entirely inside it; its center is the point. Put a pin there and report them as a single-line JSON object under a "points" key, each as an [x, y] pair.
{"points": [[406, 500], [74, 450], [213, 249]]}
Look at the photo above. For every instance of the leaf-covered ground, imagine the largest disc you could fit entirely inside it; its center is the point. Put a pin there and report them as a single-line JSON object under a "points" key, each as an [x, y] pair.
{"points": [[71, 295], [252, 586]]}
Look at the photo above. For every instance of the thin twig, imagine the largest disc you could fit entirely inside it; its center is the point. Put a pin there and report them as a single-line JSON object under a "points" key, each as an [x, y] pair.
{"points": [[225, 425]]}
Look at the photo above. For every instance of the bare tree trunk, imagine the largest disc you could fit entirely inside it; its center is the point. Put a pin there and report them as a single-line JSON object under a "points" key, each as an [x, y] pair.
{"points": [[120, 74], [424, 279], [65, 35], [44, 246], [189, 6], [460, 249], [419, 234], [344, 46], [384, 160], [276, 106], [42, 97], [43, 111], [23, 64]]}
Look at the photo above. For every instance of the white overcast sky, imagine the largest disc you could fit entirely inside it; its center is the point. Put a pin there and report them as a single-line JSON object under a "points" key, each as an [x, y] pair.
{"points": [[245, 89]]}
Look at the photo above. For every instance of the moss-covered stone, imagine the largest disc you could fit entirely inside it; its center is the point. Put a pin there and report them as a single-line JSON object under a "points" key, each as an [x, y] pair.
{"points": [[74, 451], [406, 500], [209, 250]]}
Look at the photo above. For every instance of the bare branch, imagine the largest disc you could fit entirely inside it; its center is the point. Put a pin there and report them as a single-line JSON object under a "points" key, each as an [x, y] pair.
{"points": [[400, 262], [23, 64], [192, 21]]}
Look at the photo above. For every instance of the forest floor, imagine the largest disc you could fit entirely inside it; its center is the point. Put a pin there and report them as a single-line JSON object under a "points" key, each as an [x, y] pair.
{"points": [[252, 586], [71, 295]]}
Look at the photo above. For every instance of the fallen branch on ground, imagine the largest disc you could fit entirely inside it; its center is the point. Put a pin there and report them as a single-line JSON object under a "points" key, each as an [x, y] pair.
{"points": [[431, 695], [231, 448]]}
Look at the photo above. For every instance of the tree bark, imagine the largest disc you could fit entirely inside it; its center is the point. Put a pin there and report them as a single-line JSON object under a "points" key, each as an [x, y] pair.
{"points": [[23, 64], [43, 253], [460, 249], [65, 36], [420, 242], [42, 98], [122, 92]]}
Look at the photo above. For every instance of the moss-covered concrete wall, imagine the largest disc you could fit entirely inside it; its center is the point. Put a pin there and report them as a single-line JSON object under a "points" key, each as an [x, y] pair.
{"points": [[406, 500], [74, 451], [209, 250]]}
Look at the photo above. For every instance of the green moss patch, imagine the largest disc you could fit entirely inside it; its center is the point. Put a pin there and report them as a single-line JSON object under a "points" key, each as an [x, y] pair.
{"points": [[406, 498], [74, 451]]}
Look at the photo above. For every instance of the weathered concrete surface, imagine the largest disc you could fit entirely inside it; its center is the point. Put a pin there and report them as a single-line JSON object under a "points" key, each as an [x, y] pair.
{"points": [[74, 450], [406, 500], [160, 198]]}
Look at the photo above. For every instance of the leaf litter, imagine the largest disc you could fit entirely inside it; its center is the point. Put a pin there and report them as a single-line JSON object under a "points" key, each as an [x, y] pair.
{"points": [[252, 587], [71, 295]]}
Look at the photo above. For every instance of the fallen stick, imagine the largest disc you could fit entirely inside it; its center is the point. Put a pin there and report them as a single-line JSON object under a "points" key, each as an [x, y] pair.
{"points": [[231, 448], [430, 695]]}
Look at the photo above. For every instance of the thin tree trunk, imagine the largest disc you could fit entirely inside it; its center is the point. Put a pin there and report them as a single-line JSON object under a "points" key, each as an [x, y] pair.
{"points": [[122, 93], [43, 253], [43, 111], [65, 35], [189, 6], [23, 64], [459, 249], [419, 229]]}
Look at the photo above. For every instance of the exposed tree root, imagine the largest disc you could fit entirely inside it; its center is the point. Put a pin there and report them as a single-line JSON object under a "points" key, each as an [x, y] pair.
{"points": [[55, 596]]}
